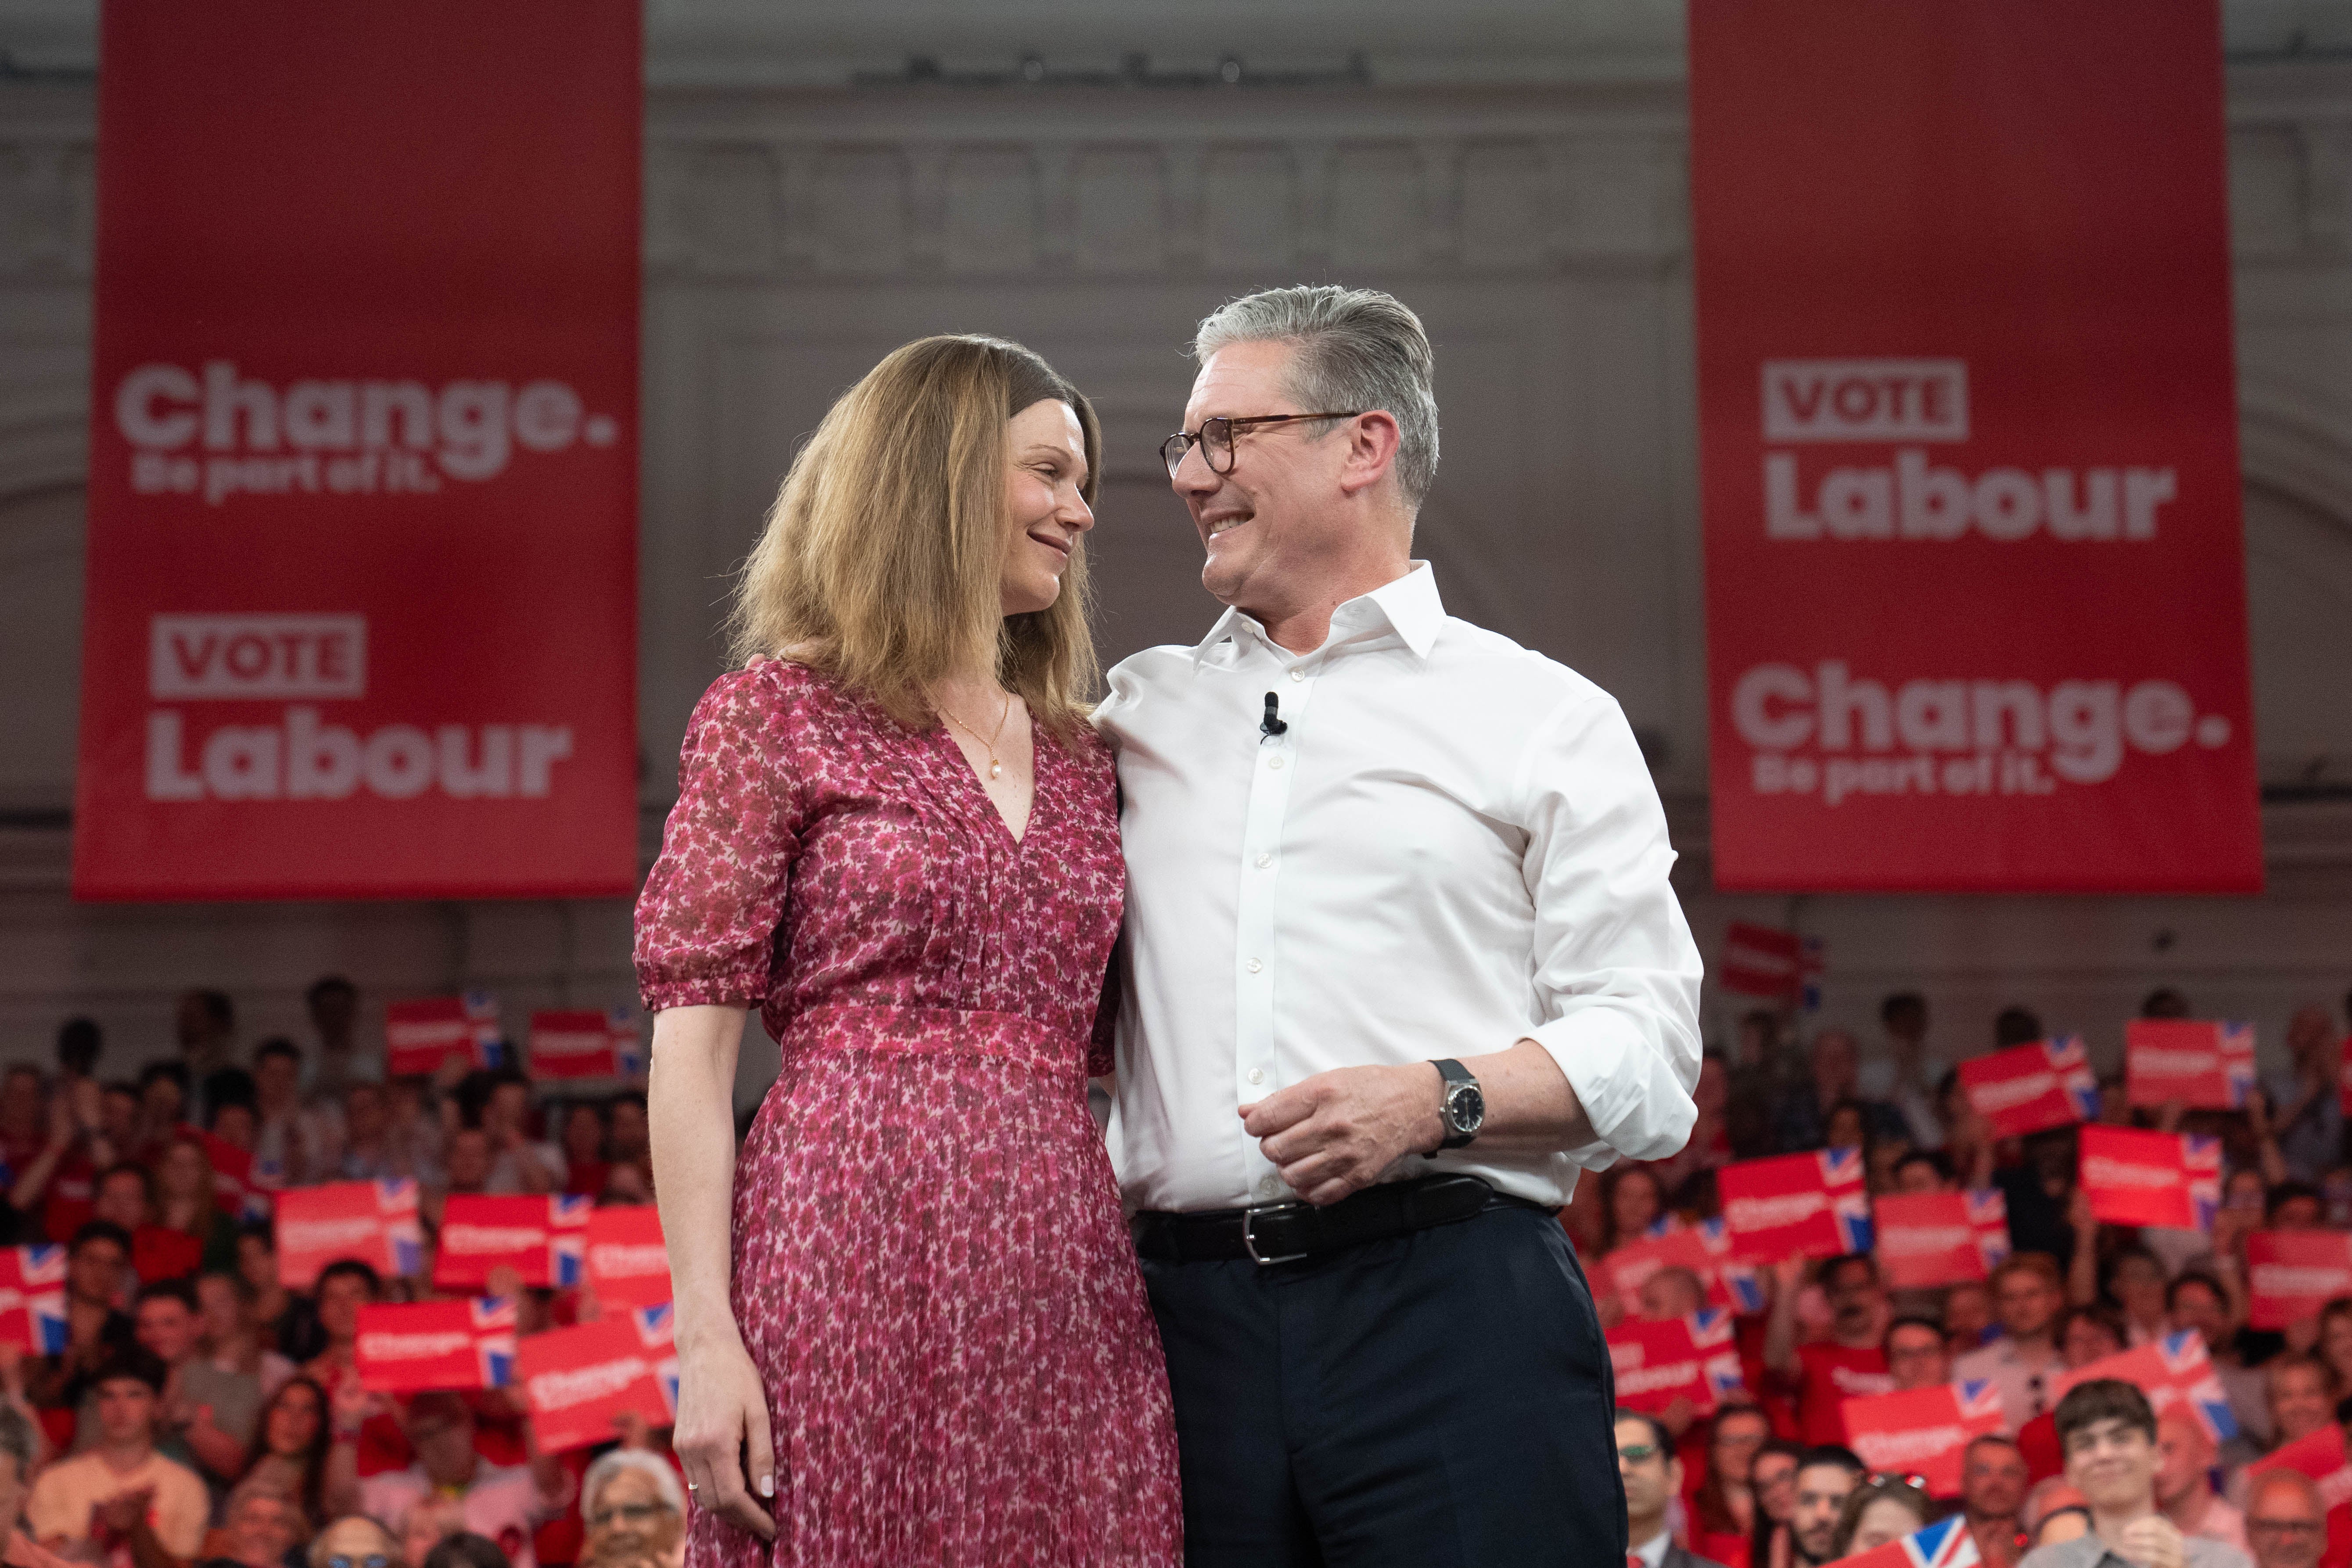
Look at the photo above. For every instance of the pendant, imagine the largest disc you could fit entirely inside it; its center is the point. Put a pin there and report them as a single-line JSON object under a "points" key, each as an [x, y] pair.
{"points": [[995, 768]]}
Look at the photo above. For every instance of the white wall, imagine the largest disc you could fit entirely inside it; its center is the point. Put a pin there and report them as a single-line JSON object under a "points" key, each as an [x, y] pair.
{"points": [[1518, 174]]}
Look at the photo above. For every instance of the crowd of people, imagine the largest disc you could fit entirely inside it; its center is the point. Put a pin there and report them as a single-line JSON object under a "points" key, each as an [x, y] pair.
{"points": [[200, 1411], [1770, 1479]]}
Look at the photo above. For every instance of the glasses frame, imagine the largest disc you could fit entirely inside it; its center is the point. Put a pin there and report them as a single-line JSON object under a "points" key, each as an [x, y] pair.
{"points": [[1232, 428]]}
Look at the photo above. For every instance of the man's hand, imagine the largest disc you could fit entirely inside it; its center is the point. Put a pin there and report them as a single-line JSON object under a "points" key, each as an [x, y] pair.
{"points": [[1334, 1133], [2154, 1541], [124, 1511]]}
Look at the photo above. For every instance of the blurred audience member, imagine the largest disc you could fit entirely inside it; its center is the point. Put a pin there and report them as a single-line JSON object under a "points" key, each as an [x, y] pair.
{"points": [[1904, 1079], [584, 1165], [2287, 1522], [1916, 1353], [261, 1527], [205, 1025], [466, 1550], [2024, 1363], [1723, 1507], [187, 1203], [2198, 1300], [283, 1320], [369, 1153], [1634, 1203], [1968, 1319], [1772, 1478], [2109, 1436], [1992, 1497], [333, 1006], [2061, 1526], [207, 1415], [1672, 1293], [2184, 1485], [1880, 1512], [1826, 1477], [1652, 1479], [290, 1442], [1801, 1120], [286, 1142], [631, 1500], [431, 1521], [2299, 1391], [96, 1268], [122, 1491], [355, 1540], [344, 1287], [518, 1165], [506, 1503], [20, 1452], [1849, 1364], [231, 1338], [2134, 1280]]}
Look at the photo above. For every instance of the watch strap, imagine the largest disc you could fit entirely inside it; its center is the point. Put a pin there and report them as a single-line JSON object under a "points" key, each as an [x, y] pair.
{"points": [[1456, 1076]]}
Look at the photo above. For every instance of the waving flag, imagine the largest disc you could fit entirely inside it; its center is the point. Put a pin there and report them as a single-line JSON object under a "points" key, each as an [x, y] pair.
{"points": [[1809, 1205], [2133, 1177], [1692, 1358], [2174, 1369], [33, 1298], [422, 1033], [436, 1344], [1945, 1543], [2030, 1089], [2205, 1066], [1924, 1430]]}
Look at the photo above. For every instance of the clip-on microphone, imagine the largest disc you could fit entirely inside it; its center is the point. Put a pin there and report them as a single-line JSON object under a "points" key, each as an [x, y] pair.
{"points": [[1273, 723]]}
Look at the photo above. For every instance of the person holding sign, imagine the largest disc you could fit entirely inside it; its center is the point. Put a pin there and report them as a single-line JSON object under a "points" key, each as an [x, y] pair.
{"points": [[897, 836]]}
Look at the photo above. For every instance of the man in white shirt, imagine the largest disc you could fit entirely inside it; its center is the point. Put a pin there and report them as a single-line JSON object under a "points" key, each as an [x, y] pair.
{"points": [[122, 1491], [504, 1503], [1400, 959], [2024, 1362]]}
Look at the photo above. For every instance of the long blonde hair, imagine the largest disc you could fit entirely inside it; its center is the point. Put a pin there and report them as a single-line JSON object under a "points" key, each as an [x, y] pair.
{"points": [[882, 557]]}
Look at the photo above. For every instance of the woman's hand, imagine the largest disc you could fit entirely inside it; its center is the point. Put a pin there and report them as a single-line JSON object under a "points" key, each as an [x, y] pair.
{"points": [[722, 1435]]}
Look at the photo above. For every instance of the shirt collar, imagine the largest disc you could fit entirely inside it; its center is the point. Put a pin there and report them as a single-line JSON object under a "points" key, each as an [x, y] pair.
{"points": [[1652, 1552], [1409, 606]]}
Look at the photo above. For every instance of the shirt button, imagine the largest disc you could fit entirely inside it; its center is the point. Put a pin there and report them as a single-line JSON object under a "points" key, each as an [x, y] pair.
{"points": [[1258, 1075], [1254, 966], [1297, 674], [1274, 761], [1269, 1187], [1263, 861]]}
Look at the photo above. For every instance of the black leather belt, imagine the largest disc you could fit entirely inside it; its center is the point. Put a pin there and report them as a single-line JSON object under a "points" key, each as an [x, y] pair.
{"points": [[1285, 1233]]}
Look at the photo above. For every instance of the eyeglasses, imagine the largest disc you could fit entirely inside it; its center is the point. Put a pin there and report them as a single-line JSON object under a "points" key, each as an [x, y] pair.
{"points": [[1638, 1453], [2286, 1526], [1215, 438], [372, 1560], [634, 1512], [1879, 1477]]}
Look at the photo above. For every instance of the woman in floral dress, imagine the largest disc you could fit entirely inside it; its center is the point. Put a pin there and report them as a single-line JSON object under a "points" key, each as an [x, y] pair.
{"points": [[896, 837]]}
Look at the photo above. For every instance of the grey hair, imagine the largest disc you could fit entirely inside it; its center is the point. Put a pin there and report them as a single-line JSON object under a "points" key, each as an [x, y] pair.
{"points": [[652, 1466], [1357, 348]]}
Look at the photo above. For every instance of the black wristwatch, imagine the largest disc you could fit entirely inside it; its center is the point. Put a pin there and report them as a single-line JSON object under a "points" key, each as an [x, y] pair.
{"points": [[1463, 1108]]}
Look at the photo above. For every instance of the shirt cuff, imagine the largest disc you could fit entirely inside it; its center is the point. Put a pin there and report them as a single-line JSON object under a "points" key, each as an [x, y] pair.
{"points": [[1638, 1109]]}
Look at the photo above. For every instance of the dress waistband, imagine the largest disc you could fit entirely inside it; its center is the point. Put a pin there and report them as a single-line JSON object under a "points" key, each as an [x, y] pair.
{"points": [[935, 1032]]}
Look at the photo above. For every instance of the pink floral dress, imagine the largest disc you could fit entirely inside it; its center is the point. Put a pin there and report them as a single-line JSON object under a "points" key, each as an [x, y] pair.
{"points": [[930, 1270]]}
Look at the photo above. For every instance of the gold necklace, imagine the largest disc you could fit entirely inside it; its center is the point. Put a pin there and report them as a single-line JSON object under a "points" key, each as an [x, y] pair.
{"points": [[995, 768]]}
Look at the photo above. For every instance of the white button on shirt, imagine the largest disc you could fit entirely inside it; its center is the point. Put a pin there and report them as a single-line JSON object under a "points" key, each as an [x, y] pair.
{"points": [[1470, 853]]}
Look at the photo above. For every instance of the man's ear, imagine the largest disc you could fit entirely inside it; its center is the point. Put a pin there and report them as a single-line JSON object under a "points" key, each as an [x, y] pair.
{"points": [[1372, 442]]}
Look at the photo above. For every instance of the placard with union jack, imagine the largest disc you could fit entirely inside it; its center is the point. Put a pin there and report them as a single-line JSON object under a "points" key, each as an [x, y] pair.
{"points": [[2031, 1088], [2205, 1066], [1810, 1205], [1924, 1431], [33, 1298]]}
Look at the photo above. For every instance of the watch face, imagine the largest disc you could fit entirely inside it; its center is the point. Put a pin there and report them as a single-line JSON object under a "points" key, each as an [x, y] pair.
{"points": [[1465, 1108]]}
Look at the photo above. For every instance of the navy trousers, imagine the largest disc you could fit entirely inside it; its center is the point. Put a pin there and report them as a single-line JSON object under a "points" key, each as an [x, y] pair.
{"points": [[1439, 1400]]}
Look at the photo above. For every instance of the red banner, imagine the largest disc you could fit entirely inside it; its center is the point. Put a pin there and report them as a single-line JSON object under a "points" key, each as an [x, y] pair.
{"points": [[2031, 1088], [579, 1043], [2151, 1178], [543, 1239], [422, 1033], [361, 615], [436, 1344], [2292, 1274], [627, 1264], [1795, 1205], [1691, 1358], [1966, 412], [2319, 1455], [373, 1222], [1925, 1240], [2207, 1067], [33, 1298], [577, 1381], [1924, 1431]]}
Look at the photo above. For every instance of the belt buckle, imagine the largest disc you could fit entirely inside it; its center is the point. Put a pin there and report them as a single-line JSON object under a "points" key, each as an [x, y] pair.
{"points": [[1249, 1238]]}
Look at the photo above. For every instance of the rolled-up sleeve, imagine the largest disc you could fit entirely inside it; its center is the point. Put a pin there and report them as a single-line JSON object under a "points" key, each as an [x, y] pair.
{"points": [[1616, 973], [708, 917]]}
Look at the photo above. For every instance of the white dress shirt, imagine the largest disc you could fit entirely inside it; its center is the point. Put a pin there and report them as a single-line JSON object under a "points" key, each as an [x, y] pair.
{"points": [[1454, 845]]}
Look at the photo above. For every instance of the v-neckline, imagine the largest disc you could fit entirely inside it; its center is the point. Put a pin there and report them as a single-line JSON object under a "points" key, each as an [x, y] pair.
{"points": [[970, 777]]}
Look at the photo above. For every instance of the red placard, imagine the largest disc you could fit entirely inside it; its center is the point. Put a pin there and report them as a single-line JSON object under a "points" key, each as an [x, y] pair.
{"points": [[423, 1032], [2031, 1088], [2151, 1178], [1925, 1240], [1924, 1431], [579, 1042], [2173, 1369], [33, 1298], [1966, 411], [577, 1381], [543, 1239], [373, 1222], [361, 615], [1759, 961], [2319, 1455], [436, 1344], [1945, 1543], [1791, 1205], [234, 1187], [2292, 1274], [1691, 1358], [627, 1263], [2205, 1066]]}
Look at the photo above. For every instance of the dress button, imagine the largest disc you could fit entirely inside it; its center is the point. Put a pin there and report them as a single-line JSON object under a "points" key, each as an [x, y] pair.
{"points": [[1263, 861], [1258, 1075], [1297, 674], [1274, 761], [1254, 966]]}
